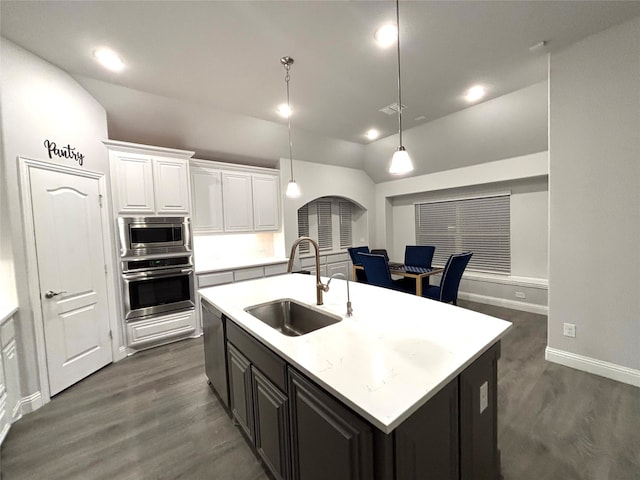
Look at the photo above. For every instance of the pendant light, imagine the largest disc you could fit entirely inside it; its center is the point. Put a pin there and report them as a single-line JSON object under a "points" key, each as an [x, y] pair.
{"points": [[293, 191], [401, 161]]}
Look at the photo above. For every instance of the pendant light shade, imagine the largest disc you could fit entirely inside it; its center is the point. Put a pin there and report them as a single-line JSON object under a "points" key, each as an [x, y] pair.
{"points": [[293, 191], [401, 161]]}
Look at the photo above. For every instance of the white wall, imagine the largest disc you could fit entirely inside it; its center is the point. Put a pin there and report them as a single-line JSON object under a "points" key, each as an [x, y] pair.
{"points": [[594, 184], [39, 102], [508, 126], [319, 180]]}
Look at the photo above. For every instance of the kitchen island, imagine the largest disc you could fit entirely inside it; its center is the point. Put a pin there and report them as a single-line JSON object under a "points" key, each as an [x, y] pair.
{"points": [[405, 388]]}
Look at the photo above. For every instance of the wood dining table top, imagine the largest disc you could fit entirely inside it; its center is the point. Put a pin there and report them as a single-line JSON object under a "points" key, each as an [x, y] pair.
{"points": [[408, 271]]}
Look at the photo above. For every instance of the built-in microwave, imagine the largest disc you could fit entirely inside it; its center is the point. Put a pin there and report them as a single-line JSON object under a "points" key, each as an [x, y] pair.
{"points": [[145, 236]]}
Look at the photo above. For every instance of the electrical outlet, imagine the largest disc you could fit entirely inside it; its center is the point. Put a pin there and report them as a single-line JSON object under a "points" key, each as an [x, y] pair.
{"points": [[521, 295], [484, 396], [569, 330]]}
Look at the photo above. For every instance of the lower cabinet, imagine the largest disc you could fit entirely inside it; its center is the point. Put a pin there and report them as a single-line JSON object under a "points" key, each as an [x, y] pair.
{"points": [[301, 432], [327, 440], [150, 333], [9, 377], [240, 390], [271, 420], [426, 445]]}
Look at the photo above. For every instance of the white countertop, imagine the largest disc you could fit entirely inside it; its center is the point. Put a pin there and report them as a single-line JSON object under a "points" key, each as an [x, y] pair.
{"points": [[388, 359], [205, 264], [6, 311]]}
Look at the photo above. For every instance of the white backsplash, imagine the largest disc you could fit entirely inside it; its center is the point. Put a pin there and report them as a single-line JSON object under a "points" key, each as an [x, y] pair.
{"points": [[243, 247]]}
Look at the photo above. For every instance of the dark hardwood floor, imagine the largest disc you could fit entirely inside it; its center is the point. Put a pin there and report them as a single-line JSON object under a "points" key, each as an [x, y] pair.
{"points": [[152, 416]]}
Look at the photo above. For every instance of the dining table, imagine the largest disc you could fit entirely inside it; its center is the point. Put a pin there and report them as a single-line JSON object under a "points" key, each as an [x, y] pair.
{"points": [[406, 271]]}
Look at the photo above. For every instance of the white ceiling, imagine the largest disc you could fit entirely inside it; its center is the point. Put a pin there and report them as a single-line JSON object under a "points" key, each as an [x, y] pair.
{"points": [[225, 55]]}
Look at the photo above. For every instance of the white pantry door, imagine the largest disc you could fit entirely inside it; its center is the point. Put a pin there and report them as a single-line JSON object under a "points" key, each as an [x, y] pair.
{"points": [[71, 271]]}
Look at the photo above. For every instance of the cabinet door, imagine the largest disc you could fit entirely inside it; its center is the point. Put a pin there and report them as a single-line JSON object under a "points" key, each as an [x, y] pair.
{"points": [[327, 440], [240, 401], [266, 202], [206, 187], [238, 205], [271, 414], [171, 185], [215, 357], [12, 379], [134, 182]]}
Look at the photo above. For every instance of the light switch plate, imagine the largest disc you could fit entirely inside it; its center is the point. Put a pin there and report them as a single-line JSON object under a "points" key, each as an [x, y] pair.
{"points": [[484, 396]]}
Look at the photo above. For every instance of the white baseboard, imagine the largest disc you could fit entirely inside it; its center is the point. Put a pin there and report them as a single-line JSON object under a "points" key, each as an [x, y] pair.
{"points": [[503, 302], [31, 403], [591, 365]]}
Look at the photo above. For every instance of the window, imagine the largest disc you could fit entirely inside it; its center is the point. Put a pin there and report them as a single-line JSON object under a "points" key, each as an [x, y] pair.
{"points": [[303, 227], [479, 225], [329, 221], [346, 221], [325, 227]]}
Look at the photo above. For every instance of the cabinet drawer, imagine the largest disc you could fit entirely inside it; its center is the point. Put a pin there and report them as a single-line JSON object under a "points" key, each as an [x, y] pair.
{"points": [[272, 366], [161, 329], [248, 274], [275, 269], [211, 279]]}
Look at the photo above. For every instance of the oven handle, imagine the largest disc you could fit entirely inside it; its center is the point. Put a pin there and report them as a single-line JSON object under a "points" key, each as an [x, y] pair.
{"points": [[156, 274]]}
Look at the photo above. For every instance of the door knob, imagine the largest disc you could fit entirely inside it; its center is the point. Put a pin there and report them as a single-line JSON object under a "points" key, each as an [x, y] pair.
{"points": [[51, 294]]}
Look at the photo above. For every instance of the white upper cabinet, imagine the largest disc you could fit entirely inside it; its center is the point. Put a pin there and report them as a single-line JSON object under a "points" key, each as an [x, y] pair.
{"points": [[206, 186], [238, 202], [171, 181], [266, 196], [232, 198], [149, 180], [134, 182]]}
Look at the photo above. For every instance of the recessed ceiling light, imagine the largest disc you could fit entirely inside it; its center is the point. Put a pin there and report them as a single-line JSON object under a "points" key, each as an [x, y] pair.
{"points": [[109, 59], [386, 35], [372, 134], [475, 93], [284, 110]]}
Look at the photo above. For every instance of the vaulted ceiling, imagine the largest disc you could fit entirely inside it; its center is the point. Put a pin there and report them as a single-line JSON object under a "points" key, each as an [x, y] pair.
{"points": [[225, 55]]}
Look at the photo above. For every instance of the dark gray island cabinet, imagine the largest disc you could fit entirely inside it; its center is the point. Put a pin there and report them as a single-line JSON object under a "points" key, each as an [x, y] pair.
{"points": [[302, 432]]}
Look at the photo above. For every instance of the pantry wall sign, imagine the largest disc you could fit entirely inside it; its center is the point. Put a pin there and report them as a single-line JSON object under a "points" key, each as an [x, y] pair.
{"points": [[66, 151]]}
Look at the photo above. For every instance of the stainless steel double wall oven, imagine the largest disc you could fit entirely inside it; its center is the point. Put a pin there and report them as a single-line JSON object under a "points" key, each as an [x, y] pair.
{"points": [[157, 266]]}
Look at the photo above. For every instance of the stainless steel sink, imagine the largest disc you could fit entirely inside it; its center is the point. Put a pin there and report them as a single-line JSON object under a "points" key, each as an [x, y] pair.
{"points": [[292, 318]]}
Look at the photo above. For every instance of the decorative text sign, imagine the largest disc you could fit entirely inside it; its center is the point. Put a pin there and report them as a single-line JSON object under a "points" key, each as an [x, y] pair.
{"points": [[63, 152]]}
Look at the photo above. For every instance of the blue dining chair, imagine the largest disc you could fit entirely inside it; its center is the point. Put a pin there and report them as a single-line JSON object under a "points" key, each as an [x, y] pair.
{"points": [[353, 253], [447, 291], [376, 268], [419, 256]]}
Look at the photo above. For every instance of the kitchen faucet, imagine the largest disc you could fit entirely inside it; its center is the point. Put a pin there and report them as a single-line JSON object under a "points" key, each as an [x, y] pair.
{"points": [[320, 287], [338, 274]]}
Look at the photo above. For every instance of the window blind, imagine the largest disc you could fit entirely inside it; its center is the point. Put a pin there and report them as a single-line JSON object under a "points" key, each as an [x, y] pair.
{"points": [[346, 237], [479, 225], [325, 228], [303, 227]]}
